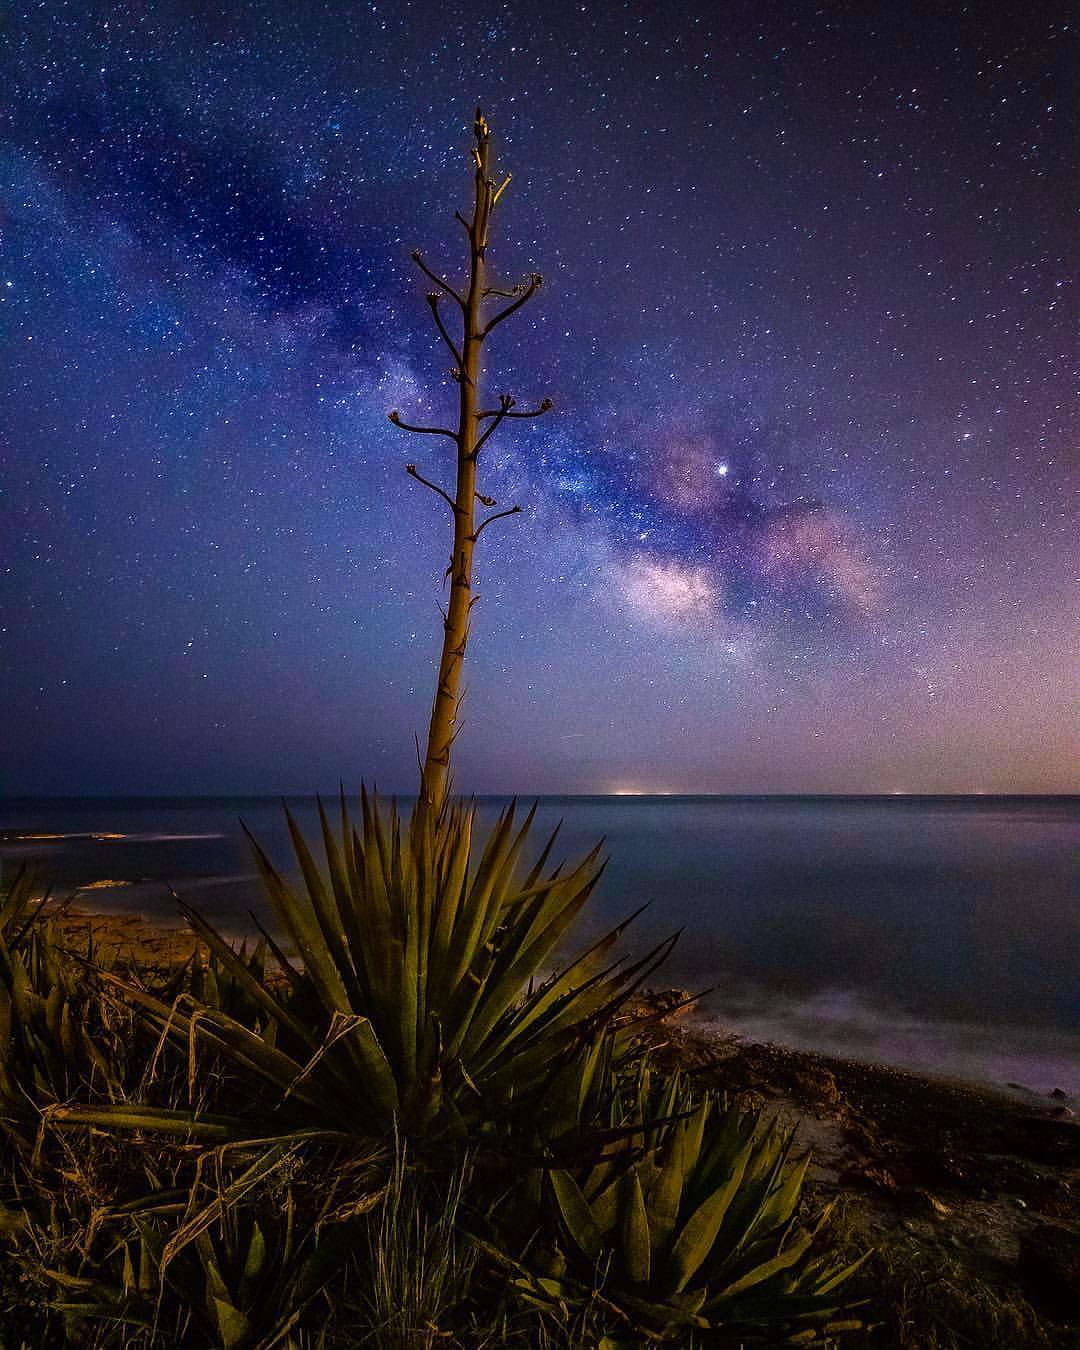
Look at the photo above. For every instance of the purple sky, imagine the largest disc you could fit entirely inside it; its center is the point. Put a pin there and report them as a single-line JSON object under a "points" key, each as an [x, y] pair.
{"points": [[805, 518]]}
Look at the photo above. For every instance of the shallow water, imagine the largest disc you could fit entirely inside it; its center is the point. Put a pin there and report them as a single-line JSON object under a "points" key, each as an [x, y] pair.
{"points": [[936, 933]]}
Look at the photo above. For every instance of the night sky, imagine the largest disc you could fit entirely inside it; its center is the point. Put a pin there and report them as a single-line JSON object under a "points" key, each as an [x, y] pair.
{"points": [[805, 516]]}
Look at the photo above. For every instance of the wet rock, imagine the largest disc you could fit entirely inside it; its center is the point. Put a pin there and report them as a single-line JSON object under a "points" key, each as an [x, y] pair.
{"points": [[1050, 1258], [1053, 1140], [1055, 1199], [862, 1138], [817, 1085]]}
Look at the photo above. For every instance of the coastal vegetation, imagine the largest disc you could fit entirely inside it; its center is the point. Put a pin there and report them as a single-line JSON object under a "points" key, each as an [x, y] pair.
{"points": [[212, 1161], [410, 1113]]}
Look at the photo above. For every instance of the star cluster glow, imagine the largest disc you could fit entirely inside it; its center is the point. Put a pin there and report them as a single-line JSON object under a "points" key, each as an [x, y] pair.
{"points": [[805, 516]]}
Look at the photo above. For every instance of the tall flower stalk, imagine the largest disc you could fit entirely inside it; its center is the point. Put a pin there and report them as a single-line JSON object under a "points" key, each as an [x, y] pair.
{"points": [[475, 426]]}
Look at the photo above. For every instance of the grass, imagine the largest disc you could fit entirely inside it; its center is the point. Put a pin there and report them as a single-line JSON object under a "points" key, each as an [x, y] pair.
{"points": [[409, 1292]]}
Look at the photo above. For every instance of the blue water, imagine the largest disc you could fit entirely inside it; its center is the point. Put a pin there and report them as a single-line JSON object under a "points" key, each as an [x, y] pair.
{"points": [[935, 933]]}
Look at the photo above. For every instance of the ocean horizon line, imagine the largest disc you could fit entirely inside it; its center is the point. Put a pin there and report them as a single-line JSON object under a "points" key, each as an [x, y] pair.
{"points": [[620, 794]]}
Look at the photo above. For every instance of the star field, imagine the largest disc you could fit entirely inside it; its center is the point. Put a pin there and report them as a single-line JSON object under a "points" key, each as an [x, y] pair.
{"points": [[804, 517]]}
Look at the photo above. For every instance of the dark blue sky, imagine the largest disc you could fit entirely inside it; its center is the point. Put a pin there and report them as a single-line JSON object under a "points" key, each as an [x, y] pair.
{"points": [[805, 518]]}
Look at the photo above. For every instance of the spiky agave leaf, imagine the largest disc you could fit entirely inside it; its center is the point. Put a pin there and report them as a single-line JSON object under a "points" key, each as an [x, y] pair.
{"points": [[248, 1281]]}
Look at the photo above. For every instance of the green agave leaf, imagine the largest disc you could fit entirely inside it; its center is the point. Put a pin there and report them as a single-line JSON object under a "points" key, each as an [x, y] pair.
{"points": [[244, 975], [763, 1307], [327, 920], [233, 1327], [376, 851], [839, 1276], [504, 876], [254, 1261], [529, 957], [791, 1253], [695, 1133], [605, 1204], [576, 1214], [297, 914], [112, 1309], [157, 1119], [636, 1243], [559, 1108], [599, 1001], [451, 889], [196, 1228], [662, 1316], [764, 1176], [160, 1200], [215, 1280], [783, 1198], [729, 1132], [342, 878], [377, 1086], [665, 1195], [698, 1235], [472, 919]]}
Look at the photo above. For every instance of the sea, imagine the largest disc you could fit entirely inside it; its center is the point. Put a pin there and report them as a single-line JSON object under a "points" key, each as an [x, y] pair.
{"points": [[939, 934]]}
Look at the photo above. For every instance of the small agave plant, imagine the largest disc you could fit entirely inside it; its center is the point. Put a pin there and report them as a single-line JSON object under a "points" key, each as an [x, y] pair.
{"points": [[420, 1000], [46, 1049], [697, 1235]]}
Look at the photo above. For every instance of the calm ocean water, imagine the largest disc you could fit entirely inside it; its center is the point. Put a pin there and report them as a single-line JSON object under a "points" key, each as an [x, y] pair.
{"points": [[934, 933]]}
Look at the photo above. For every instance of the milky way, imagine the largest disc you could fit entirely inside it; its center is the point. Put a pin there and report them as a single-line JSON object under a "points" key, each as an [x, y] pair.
{"points": [[805, 515]]}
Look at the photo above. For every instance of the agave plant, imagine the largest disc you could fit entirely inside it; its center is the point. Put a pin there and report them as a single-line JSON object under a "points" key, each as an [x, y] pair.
{"points": [[420, 997], [46, 1046], [694, 1232]]}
